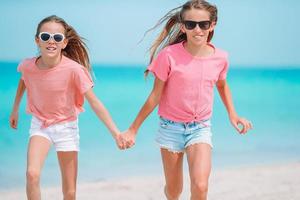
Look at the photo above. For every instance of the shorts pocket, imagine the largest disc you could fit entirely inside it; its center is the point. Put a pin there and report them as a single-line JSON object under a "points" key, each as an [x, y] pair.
{"points": [[35, 123], [164, 123], [70, 126], [203, 126]]}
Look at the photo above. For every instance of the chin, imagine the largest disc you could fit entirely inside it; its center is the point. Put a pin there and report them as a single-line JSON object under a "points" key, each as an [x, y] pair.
{"points": [[199, 42], [50, 55]]}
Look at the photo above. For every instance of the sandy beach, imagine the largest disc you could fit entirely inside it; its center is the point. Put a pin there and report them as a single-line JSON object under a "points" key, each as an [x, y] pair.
{"points": [[271, 182]]}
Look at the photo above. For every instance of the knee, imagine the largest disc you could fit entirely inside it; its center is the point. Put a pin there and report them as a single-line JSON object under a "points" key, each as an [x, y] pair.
{"points": [[173, 192], [70, 195], [33, 176], [199, 187]]}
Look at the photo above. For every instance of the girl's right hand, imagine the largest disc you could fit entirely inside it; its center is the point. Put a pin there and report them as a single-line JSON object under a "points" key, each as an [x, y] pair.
{"points": [[126, 139], [13, 120]]}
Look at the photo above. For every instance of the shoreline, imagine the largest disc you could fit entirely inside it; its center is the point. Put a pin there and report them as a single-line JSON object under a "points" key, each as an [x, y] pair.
{"points": [[267, 182]]}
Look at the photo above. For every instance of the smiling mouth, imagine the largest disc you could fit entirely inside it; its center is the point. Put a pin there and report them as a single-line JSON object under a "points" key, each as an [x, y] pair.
{"points": [[51, 48]]}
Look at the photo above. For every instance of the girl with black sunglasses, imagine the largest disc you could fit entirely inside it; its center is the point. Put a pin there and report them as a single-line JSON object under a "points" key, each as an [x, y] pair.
{"points": [[186, 67], [57, 81]]}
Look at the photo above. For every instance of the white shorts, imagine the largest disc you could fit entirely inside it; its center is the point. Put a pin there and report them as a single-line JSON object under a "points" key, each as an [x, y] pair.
{"points": [[64, 136]]}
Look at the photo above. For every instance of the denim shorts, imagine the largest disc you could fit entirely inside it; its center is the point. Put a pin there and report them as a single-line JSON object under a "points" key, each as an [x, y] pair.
{"points": [[177, 136], [63, 136]]}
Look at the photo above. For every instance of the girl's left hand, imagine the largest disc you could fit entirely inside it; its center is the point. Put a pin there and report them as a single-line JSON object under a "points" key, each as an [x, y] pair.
{"points": [[127, 140], [246, 125], [120, 141]]}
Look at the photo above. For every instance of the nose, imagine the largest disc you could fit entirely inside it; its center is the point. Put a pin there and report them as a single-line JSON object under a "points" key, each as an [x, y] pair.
{"points": [[197, 28], [51, 40]]}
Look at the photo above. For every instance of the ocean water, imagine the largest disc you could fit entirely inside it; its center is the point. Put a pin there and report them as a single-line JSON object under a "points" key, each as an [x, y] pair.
{"points": [[270, 98]]}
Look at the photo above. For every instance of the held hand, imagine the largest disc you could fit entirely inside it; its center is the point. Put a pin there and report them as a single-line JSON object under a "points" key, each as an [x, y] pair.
{"points": [[13, 120], [127, 139], [120, 141], [246, 125]]}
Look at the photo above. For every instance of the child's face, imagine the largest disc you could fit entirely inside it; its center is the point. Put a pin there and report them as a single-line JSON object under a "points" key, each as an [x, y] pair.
{"points": [[198, 34], [51, 47]]}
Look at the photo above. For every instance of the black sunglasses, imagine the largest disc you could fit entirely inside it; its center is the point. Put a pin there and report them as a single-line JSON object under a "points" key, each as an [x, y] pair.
{"points": [[190, 25]]}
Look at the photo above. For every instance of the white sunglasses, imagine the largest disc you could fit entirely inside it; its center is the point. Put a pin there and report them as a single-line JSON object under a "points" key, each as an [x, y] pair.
{"points": [[57, 37]]}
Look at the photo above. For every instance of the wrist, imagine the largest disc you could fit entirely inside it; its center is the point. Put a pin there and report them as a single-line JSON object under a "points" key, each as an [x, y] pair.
{"points": [[15, 110], [115, 134], [232, 114], [133, 130]]}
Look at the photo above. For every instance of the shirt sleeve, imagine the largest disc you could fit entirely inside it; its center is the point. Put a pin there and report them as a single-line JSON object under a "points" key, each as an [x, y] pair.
{"points": [[83, 80], [223, 73], [160, 66], [20, 68]]}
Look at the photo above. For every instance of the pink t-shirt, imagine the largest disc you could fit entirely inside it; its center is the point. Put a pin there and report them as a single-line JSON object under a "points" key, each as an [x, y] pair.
{"points": [[57, 94], [189, 81]]}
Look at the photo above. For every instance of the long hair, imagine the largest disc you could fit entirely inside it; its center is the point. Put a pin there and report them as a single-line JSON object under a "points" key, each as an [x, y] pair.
{"points": [[171, 33], [76, 48]]}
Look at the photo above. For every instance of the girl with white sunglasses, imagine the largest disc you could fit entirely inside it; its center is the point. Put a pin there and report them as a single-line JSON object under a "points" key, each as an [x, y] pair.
{"points": [[57, 81]]}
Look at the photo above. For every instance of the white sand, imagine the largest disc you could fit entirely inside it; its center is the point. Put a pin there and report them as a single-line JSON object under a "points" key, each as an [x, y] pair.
{"points": [[275, 182]]}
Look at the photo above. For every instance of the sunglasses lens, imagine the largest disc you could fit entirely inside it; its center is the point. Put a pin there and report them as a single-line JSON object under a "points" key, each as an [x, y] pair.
{"points": [[190, 25], [45, 37], [58, 37], [204, 25]]}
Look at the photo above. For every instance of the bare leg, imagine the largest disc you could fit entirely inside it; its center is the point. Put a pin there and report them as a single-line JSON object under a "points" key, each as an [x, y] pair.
{"points": [[172, 163], [68, 166], [199, 160], [38, 149]]}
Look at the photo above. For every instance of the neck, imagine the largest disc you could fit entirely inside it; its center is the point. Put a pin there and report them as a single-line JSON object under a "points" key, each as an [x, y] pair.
{"points": [[46, 62], [198, 50]]}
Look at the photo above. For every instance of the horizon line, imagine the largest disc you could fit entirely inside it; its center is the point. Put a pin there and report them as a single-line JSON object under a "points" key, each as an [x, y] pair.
{"points": [[139, 65]]}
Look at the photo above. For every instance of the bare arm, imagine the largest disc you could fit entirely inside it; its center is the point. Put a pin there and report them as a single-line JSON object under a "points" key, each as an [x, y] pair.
{"points": [[151, 102], [13, 120], [149, 105], [102, 112], [225, 94]]}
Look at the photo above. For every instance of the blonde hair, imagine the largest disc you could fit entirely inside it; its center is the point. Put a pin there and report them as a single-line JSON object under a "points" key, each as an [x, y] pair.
{"points": [[76, 48]]}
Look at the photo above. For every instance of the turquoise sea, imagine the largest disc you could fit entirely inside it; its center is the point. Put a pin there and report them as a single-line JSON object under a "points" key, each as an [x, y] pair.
{"points": [[270, 98]]}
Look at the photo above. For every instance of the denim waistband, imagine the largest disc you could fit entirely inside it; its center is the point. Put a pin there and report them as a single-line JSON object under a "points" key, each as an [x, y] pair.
{"points": [[205, 123]]}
